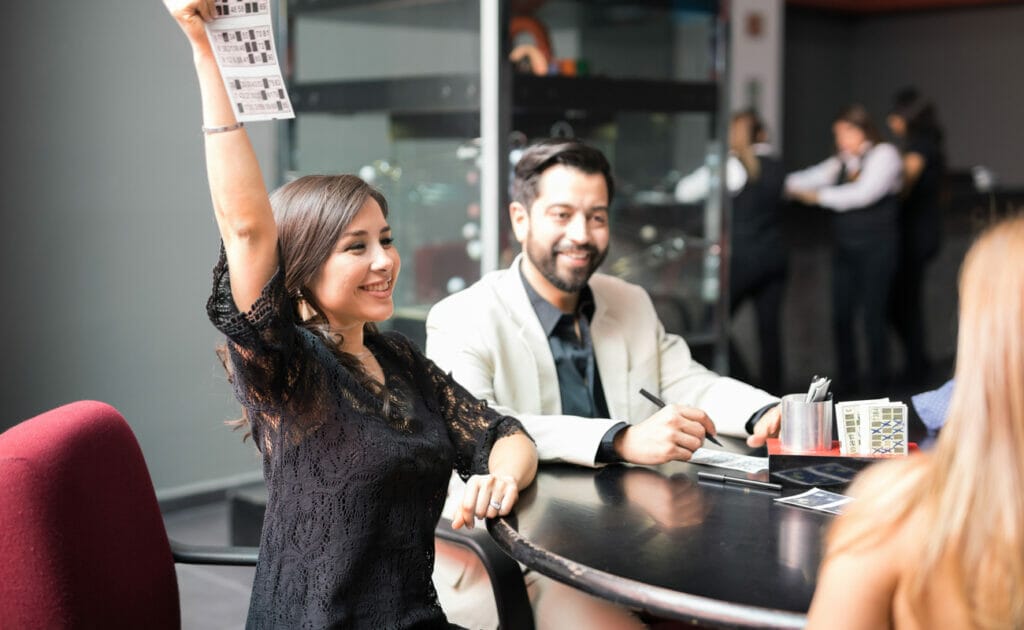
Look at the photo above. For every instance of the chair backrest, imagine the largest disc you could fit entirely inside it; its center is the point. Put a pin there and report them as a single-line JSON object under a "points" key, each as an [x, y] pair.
{"points": [[82, 540]]}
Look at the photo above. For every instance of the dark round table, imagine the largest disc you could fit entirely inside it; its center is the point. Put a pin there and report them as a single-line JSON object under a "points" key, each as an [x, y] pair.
{"points": [[655, 539]]}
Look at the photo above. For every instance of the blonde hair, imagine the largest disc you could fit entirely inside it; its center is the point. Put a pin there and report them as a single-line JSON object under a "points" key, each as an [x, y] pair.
{"points": [[969, 494]]}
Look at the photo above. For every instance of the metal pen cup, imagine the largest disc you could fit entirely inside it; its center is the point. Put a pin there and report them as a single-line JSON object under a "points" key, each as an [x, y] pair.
{"points": [[806, 426]]}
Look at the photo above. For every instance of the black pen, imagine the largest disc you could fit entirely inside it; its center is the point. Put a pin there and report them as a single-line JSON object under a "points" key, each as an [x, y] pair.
{"points": [[751, 483], [661, 403]]}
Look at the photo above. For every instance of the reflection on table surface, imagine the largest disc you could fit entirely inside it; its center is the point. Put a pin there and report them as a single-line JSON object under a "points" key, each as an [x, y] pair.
{"points": [[659, 527]]}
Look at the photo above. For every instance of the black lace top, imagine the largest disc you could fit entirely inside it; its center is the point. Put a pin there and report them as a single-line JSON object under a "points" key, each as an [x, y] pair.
{"points": [[354, 492]]}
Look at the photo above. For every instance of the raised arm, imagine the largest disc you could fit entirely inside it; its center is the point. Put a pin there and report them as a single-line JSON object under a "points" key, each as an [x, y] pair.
{"points": [[240, 201]]}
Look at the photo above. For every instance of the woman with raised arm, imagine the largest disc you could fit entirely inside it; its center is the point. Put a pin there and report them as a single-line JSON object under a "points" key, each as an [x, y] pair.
{"points": [[358, 431], [754, 177], [937, 540]]}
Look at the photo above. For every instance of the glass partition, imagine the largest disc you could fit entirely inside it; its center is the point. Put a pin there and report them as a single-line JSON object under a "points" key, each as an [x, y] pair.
{"points": [[392, 91]]}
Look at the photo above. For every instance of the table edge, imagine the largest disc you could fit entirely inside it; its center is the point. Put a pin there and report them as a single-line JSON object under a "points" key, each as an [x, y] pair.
{"points": [[654, 599]]}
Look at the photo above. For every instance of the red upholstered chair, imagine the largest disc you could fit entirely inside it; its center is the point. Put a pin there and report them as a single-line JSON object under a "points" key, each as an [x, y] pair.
{"points": [[82, 540]]}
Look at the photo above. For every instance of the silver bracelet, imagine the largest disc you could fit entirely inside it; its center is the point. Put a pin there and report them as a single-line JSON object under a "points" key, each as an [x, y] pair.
{"points": [[211, 130]]}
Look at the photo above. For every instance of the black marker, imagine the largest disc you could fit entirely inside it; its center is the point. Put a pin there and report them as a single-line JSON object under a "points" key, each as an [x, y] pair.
{"points": [[661, 403], [750, 483]]}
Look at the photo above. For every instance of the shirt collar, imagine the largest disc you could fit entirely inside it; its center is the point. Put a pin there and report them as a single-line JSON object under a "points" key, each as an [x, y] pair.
{"points": [[854, 161], [548, 313]]}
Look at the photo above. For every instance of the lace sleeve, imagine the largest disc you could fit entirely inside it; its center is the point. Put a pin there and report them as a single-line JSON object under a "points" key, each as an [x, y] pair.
{"points": [[472, 425], [264, 345]]}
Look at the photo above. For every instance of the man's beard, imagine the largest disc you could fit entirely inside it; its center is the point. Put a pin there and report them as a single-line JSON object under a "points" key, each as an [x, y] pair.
{"points": [[546, 262]]}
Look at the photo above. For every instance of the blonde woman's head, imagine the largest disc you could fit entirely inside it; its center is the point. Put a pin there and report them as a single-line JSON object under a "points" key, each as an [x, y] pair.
{"points": [[990, 346], [978, 477]]}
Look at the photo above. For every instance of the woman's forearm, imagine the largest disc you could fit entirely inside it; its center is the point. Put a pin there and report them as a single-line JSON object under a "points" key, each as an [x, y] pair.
{"points": [[515, 456], [240, 201], [231, 165], [236, 182]]}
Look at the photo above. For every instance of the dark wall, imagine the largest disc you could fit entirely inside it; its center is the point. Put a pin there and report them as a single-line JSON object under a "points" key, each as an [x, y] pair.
{"points": [[816, 74], [966, 60]]}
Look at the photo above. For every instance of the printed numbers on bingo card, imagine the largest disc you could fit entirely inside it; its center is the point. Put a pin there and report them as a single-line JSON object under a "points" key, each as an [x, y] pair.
{"points": [[245, 46], [259, 95], [237, 8]]}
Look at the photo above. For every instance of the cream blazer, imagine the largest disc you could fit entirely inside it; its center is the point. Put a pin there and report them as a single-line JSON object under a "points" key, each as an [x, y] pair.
{"points": [[488, 336]]}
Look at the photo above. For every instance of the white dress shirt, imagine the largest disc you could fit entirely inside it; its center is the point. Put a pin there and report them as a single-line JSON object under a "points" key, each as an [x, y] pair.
{"points": [[694, 187], [880, 173]]}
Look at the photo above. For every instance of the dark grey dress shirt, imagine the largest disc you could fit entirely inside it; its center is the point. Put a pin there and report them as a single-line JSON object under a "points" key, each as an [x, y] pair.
{"points": [[579, 381]]}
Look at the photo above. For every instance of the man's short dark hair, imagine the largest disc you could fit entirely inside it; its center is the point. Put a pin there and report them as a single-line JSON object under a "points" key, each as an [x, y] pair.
{"points": [[541, 156]]}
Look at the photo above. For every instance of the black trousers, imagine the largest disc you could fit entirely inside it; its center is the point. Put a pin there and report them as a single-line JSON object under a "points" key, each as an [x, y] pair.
{"points": [[762, 279], [905, 308], [862, 275]]}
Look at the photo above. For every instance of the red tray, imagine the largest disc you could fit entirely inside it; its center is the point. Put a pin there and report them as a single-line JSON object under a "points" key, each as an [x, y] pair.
{"points": [[818, 468]]}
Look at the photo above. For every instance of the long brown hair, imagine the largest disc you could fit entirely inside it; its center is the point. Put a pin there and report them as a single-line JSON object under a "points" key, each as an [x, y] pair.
{"points": [[312, 212], [755, 127]]}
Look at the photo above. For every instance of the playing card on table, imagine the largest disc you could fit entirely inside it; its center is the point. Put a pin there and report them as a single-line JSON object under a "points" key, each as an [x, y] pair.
{"points": [[725, 459], [818, 499], [885, 432], [835, 470], [805, 477]]}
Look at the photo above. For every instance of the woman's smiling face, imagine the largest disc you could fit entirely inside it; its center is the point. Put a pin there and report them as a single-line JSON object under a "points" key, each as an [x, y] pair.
{"points": [[356, 282]]}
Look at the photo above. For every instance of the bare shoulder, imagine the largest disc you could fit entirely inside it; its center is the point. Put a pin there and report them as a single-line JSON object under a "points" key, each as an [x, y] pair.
{"points": [[868, 549], [883, 502]]}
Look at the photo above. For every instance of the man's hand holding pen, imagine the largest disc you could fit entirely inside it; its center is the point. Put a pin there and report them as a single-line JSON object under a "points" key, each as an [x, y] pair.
{"points": [[673, 433]]}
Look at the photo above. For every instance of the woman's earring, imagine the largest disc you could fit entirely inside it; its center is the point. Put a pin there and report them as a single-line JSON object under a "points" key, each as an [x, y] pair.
{"points": [[302, 306]]}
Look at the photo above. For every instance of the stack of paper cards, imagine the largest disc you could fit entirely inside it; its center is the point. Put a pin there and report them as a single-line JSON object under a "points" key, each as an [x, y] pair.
{"points": [[872, 427]]}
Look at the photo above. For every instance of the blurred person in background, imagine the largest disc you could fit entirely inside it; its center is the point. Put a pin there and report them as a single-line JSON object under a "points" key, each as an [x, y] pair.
{"points": [[757, 263], [860, 184], [914, 124]]}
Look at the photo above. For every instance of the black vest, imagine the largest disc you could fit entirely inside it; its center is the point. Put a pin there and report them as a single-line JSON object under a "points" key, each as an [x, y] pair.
{"points": [[756, 210], [862, 226]]}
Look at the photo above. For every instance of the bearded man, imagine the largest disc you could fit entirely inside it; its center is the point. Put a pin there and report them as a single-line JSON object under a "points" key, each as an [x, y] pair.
{"points": [[566, 350]]}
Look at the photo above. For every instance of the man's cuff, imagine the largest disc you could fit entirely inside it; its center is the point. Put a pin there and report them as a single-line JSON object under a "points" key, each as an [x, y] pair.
{"points": [[757, 416], [606, 450]]}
